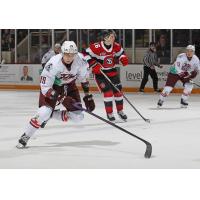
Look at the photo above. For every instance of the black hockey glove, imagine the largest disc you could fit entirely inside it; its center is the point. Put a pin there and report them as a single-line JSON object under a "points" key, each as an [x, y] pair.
{"points": [[89, 102]]}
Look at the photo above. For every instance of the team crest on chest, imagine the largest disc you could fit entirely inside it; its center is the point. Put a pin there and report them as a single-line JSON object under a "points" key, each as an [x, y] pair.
{"points": [[186, 66]]}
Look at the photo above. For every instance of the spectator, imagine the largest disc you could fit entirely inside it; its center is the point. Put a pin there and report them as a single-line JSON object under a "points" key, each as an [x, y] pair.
{"points": [[4, 45], [72, 35], [21, 34], [25, 76], [84, 39], [163, 50], [150, 60], [197, 48], [8, 43], [11, 44]]}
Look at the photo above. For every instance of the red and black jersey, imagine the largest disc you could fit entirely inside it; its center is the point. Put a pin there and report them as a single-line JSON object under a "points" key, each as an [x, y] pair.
{"points": [[97, 52]]}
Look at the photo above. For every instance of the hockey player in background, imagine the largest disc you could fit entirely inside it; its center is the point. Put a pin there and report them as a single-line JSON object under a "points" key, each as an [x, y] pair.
{"points": [[50, 53], [102, 56], [185, 68], [58, 85]]}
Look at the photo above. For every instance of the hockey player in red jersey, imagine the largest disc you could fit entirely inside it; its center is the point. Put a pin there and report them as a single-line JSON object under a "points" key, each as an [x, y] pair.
{"points": [[102, 56]]}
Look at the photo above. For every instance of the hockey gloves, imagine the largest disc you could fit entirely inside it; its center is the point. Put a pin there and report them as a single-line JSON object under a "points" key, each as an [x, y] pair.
{"points": [[187, 76], [96, 69], [89, 102], [124, 60]]}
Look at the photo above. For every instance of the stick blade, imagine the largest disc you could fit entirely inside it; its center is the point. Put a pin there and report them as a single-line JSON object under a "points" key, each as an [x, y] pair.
{"points": [[148, 151], [147, 120]]}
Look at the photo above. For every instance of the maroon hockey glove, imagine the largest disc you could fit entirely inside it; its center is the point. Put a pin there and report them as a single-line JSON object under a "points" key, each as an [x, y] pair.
{"points": [[191, 75], [124, 60], [183, 75], [89, 102], [51, 94]]}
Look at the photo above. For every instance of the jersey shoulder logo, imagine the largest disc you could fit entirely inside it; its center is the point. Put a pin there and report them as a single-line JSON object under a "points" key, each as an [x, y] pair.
{"points": [[49, 67]]}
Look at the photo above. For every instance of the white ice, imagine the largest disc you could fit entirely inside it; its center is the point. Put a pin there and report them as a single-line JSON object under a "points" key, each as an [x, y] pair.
{"points": [[173, 132]]}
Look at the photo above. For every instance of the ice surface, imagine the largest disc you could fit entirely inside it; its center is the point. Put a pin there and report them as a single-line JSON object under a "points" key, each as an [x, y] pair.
{"points": [[173, 132]]}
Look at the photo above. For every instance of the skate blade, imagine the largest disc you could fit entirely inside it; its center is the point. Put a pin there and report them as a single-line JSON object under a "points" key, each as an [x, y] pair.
{"points": [[120, 121], [182, 106], [20, 146]]}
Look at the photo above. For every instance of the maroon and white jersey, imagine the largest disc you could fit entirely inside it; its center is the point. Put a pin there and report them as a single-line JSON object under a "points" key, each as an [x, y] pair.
{"points": [[97, 52], [47, 56], [56, 72], [182, 64]]}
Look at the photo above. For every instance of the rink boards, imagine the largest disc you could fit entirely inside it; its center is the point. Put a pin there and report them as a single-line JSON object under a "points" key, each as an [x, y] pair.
{"points": [[131, 76]]}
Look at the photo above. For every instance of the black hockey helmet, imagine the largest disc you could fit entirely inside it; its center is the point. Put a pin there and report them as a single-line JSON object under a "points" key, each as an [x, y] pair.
{"points": [[107, 32]]}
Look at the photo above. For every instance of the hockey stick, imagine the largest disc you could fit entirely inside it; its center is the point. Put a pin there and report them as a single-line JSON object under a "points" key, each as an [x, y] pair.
{"points": [[191, 81], [148, 151], [145, 119]]}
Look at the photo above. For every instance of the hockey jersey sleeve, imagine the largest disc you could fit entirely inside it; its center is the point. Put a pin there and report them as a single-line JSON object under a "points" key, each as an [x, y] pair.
{"points": [[177, 66], [47, 57], [197, 65], [91, 54], [120, 54], [48, 76], [83, 73], [196, 68], [119, 51]]}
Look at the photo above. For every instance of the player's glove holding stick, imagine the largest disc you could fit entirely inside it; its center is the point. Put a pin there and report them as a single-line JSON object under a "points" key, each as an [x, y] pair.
{"points": [[96, 68], [187, 76], [89, 102]]}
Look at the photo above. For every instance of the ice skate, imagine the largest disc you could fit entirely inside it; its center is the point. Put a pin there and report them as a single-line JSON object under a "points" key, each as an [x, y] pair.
{"points": [[23, 141], [184, 104], [157, 90], [141, 91], [111, 117], [160, 103], [43, 124], [122, 115]]}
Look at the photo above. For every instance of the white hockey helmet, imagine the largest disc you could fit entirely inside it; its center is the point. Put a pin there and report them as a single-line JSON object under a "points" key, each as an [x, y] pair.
{"points": [[69, 47], [57, 46], [190, 47]]}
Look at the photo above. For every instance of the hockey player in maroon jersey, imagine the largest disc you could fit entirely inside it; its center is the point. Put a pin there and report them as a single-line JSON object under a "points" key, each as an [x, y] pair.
{"points": [[58, 84], [102, 56]]}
